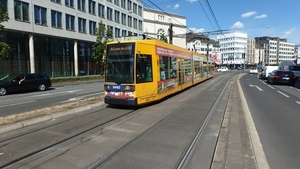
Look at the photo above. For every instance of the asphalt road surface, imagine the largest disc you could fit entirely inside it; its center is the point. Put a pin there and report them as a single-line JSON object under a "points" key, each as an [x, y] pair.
{"points": [[57, 94]]}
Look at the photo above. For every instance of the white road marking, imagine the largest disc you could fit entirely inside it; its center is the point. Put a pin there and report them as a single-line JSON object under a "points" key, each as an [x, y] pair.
{"points": [[271, 87], [298, 102], [80, 98], [283, 94], [256, 87], [17, 103]]}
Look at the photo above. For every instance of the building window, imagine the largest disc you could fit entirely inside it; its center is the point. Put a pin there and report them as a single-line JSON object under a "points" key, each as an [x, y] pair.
{"points": [[109, 1], [101, 10], [117, 2], [123, 4], [135, 8], [70, 22], [140, 11], [92, 5], [55, 19], [40, 15], [81, 25], [124, 33], [81, 5], [123, 19], [117, 16], [140, 25], [117, 32], [129, 21], [4, 5], [21, 11], [109, 14], [129, 3], [69, 3], [135, 23], [56, 1], [92, 25]]}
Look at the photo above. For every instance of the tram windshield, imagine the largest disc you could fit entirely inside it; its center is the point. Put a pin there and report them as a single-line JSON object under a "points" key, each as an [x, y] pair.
{"points": [[119, 63]]}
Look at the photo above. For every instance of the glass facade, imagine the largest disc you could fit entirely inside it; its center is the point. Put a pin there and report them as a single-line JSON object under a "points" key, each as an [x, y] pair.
{"points": [[53, 56]]}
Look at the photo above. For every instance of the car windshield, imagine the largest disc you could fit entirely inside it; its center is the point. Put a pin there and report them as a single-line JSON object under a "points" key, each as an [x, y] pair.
{"points": [[119, 63]]}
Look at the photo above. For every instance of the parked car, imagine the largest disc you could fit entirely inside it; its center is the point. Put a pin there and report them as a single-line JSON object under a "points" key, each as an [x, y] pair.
{"points": [[222, 69], [253, 71], [24, 82], [282, 77]]}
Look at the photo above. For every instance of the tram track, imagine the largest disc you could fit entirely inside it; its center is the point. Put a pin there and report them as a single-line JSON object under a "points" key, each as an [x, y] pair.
{"points": [[49, 154], [110, 120]]}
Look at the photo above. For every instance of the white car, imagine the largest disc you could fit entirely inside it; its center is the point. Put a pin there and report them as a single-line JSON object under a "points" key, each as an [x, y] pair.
{"points": [[222, 69], [253, 71]]}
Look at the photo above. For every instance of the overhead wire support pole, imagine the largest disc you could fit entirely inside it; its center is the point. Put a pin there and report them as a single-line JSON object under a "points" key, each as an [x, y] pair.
{"points": [[171, 34]]}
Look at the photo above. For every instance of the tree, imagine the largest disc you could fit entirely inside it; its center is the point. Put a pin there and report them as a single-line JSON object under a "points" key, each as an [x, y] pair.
{"points": [[4, 48], [164, 38], [99, 47]]}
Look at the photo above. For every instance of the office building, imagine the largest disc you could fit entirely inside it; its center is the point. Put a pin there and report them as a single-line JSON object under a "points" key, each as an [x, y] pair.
{"points": [[56, 36]]}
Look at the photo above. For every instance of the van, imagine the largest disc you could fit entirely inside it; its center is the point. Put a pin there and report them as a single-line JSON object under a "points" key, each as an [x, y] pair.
{"points": [[285, 65], [266, 70], [296, 70]]}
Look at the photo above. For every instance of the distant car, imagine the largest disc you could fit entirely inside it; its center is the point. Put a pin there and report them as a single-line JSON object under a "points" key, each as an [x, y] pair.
{"points": [[239, 68], [282, 77], [222, 69], [31, 81], [253, 71]]}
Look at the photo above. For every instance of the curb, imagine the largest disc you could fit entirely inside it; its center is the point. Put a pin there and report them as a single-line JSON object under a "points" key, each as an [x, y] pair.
{"points": [[48, 117]]}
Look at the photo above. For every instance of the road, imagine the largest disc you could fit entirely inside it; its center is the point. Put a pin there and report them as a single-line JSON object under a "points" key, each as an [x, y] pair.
{"points": [[276, 113], [57, 94]]}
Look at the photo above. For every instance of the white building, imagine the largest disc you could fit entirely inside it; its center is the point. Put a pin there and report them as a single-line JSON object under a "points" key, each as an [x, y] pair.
{"points": [[277, 50], [157, 23], [233, 46], [56, 37]]}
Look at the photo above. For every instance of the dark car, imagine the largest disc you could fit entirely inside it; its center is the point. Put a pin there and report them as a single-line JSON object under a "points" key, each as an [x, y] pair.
{"points": [[282, 77], [24, 82]]}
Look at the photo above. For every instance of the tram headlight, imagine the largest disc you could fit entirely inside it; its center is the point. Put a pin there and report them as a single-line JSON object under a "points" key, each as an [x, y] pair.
{"points": [[129, 88], [106, 87]]}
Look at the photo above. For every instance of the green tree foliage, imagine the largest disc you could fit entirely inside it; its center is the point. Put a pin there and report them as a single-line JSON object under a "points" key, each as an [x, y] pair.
{"points": [[4, 48], [164, 38], [99, 47]]}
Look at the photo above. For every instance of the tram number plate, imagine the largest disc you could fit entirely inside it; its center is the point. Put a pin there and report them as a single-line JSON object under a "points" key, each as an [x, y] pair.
{"points": [[116, 87]]}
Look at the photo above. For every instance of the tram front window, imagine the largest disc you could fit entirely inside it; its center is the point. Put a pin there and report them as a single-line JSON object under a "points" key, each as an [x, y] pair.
{"points": [[119, 63]]}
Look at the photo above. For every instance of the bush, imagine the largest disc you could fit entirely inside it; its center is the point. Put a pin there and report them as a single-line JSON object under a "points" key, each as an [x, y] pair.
{"points": [[75, 79]]}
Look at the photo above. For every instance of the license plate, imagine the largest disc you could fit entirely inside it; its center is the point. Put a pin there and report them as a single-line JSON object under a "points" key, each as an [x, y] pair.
{"points": [[286, 78]]}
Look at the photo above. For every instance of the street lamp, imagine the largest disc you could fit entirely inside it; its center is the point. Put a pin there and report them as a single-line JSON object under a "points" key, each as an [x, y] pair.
{"points": [[244, 56]]}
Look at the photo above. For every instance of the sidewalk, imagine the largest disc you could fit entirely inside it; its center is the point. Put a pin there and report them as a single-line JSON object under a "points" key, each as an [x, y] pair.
{"points": [[235, 148]]}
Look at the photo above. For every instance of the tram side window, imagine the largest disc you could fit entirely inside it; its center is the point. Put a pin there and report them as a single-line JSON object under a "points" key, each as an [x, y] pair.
{"points": [[173, 71], [197, 67], [164, 67], [144, 71]]}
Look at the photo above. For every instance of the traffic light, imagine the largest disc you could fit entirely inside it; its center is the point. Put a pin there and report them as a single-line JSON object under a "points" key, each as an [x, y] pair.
{"points": [[243, 55]]}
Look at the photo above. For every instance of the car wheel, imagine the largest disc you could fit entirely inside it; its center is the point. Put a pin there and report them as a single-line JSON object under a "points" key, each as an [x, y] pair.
{"points": [[41, 87], [3, 91]]}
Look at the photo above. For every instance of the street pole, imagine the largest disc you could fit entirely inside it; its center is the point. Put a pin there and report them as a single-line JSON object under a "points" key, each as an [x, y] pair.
{"points": [[244, 56]]}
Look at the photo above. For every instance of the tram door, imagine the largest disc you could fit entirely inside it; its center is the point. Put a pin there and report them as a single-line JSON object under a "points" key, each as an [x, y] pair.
{"points": [[181, 72]]}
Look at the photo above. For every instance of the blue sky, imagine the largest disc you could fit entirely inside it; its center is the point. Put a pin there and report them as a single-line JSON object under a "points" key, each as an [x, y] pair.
{"points": [[275, 18]]}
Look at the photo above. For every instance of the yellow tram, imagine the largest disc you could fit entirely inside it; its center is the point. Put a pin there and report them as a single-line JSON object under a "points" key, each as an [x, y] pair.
{"points": [[147, 70]]}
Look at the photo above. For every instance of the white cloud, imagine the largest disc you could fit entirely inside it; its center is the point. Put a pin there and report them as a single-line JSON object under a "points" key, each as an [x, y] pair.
{"points": [[261, 16], [168, 6], [238, 24], [176, 6], [192, 1], [195, 30], [248, 14], [289, 32]]}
